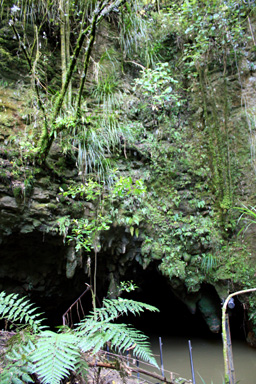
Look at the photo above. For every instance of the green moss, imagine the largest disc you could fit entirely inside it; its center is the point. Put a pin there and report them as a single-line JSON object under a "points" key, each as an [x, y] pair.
{"points": [[156, 251], [77, 208], [52, 206], [17, 192], [226, 202]]}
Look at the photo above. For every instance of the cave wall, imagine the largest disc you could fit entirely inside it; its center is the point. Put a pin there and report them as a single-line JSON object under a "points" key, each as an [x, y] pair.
{"points": [[187, 230]]}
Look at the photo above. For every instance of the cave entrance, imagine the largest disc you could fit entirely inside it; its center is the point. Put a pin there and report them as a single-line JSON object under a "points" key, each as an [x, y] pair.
{"points": [[34, 265], [174, 318]]}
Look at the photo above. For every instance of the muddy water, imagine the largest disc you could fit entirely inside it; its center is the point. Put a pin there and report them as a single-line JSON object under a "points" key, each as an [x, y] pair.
{"points": [[207, 359]]}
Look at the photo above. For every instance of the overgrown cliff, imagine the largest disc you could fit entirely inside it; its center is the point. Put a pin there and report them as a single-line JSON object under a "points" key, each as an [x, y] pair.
{"points": [[144, 174]]}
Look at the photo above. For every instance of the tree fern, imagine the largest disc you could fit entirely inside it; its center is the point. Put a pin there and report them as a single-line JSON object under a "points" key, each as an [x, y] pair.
{"points": [[55, 357], [14, 309]]}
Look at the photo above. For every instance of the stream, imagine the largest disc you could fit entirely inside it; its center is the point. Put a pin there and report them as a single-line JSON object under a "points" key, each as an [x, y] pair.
{"points": [[207, 359]]}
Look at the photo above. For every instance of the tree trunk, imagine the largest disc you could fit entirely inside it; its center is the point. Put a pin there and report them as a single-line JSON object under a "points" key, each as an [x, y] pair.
{"points": [[101, 10], [65, 46]]}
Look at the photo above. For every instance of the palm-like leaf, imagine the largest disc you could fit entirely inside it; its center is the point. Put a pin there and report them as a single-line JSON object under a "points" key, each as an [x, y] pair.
{"points": [[55, 355]]}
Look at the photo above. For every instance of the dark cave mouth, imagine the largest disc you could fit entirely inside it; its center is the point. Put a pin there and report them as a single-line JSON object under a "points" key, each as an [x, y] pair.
{"points": [[173, 319], [53, 293]]}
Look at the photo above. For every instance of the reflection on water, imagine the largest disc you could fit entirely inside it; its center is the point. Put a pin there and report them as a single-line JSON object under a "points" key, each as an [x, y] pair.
{"points": [[207, 358]]}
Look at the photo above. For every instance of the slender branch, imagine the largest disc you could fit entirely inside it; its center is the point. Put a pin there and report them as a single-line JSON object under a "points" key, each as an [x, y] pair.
{"points": [[103, 10], [134, 62], [135, 370], [21, 44], [48, 7], [86, 63], [250, 25]]}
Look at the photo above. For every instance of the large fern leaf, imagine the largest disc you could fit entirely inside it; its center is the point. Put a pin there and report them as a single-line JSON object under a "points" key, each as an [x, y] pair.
{"points": [[96, 334], [97, 329], [15, 308], [55, 357]]}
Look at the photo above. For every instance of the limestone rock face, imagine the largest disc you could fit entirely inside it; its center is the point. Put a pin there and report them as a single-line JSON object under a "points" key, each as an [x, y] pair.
{"points": [[8, 202], [210, 310], [197, 162]]}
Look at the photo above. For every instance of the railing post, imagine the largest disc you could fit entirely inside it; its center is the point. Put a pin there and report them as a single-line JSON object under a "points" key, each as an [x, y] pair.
{"points": [[137, 365], [231, 368], [161, 355], [191, 362], [224, 333]]}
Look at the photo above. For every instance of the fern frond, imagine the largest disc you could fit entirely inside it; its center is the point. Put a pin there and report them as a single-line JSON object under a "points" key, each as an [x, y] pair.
{"points": [[121, 337], [114, 308], [55, 357], [18, 367], [97, 329], [82, 368], [13, 308], [13, 374]]}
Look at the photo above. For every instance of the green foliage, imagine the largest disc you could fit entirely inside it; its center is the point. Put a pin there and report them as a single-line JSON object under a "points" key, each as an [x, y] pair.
{"points": [[90, 133], [157, 87], [98, 328], [106, 92], [205, 39], [63, 224], [18, 365], [177, 117], [248, 215], [124, 194], [53, 356], [209, 262], [235, 263], [90, 190], [85, 231], [127, 286], [209, 29], [13, 308], [125, 186], [134, 31]]}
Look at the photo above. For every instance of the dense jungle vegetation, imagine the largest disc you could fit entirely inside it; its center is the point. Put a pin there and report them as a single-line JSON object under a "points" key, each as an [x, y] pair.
{"points": [[147, 100]]}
